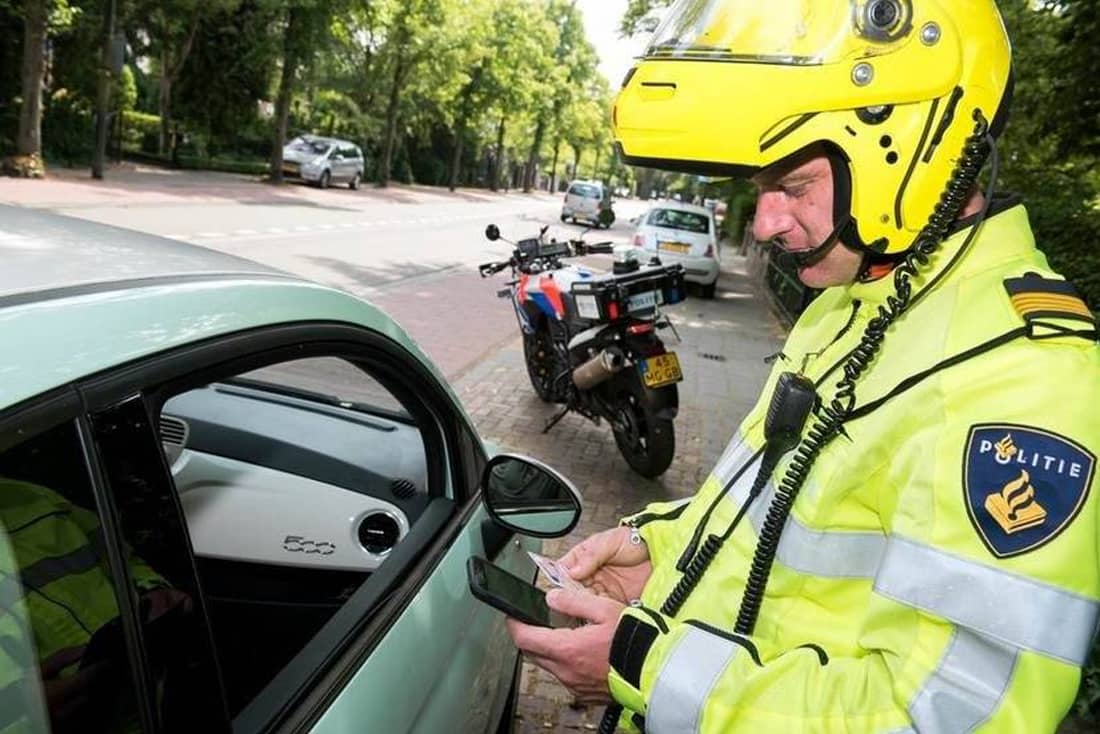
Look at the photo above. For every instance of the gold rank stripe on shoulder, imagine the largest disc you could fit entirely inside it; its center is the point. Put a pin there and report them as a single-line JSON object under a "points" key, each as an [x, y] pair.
{"points": [[1033, 304], [1035, 297]]}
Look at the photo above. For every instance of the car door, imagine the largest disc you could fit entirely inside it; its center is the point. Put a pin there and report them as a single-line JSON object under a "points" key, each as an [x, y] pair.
{"points": [[360, 164], [336, 164], [350, 164], [328, 534], [103, 627]]}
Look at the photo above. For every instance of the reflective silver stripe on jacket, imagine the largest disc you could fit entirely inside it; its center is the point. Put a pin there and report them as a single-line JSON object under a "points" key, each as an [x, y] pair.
{"points": [[734, 455], [685, 682], [967, 687], [832, 554], [1017, 610], [11, 592], [818, 553], [44, 572], [1002, 605], [963, 692]]}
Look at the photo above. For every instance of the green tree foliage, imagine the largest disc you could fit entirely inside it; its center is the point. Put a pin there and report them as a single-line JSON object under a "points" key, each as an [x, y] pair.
{"points": [[459, 92], [640, 14], [228, 73], [1052, 143]]}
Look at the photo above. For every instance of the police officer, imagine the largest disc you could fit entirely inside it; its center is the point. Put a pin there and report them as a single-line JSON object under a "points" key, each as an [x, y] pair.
{"points": [[56, 595], [920, 553]]}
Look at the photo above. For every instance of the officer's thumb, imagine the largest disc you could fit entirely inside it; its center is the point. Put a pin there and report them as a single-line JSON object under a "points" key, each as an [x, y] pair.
{"points": [[584, 605]]}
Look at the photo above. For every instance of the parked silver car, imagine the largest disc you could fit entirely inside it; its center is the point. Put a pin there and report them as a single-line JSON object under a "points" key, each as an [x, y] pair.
{"points": [[323, 161]]}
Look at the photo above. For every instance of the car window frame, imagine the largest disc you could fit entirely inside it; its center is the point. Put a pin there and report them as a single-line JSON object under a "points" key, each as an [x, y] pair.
{"points": [[295, 700], [26, 420]]}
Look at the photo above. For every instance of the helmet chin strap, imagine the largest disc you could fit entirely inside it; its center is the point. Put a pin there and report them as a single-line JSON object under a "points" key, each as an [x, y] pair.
{"points": [[814, 255]]}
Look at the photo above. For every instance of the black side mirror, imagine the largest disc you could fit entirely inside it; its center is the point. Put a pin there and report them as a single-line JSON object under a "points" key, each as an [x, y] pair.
{"points": [[528, 497], [492, 233]]}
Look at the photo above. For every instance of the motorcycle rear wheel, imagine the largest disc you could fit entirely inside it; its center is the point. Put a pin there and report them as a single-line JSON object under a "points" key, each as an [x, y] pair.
{"points": [[645, 441], [538, 354]]}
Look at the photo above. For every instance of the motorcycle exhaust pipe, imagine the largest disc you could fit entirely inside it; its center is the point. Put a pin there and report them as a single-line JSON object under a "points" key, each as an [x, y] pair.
{"points": [[599, 368]]}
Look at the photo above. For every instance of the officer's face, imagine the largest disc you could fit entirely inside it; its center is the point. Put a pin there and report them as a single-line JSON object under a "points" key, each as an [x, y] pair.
{"points": [[794, 206]]}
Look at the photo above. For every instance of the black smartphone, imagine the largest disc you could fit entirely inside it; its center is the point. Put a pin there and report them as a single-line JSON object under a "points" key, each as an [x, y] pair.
{"points": [[512, 595]]}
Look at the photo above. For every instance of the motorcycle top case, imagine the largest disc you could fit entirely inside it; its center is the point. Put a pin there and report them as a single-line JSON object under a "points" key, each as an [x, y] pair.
{"points": [[620, 294]]}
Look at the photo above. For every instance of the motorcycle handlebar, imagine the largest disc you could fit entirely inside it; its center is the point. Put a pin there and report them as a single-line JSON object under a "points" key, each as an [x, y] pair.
{"points": [[487, 269], [604, 247], [577, 248]]}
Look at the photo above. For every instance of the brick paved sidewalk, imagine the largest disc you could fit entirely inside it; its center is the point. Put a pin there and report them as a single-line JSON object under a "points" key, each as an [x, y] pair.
{"points": [[722, 354], [135, 185]]}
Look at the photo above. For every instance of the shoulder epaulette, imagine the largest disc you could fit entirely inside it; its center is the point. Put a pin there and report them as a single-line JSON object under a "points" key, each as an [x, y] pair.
{"points": [[1035, 297]]}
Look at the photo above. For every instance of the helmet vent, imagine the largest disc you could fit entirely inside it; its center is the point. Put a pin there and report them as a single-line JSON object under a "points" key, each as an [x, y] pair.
{"points": [[885, 20], [883, 15], [403, 489], [874, 115]]}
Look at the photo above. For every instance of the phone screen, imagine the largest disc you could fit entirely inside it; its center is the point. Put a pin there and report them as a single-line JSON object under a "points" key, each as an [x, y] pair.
{"points": [[511, 594]]}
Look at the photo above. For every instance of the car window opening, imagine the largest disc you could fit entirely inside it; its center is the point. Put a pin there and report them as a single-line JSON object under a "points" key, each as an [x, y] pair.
{"points": [[681, 220], [297, 481]]}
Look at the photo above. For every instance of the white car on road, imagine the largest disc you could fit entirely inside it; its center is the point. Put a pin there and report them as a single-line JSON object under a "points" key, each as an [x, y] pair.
{"points": [[585, 200], [684, 234]]}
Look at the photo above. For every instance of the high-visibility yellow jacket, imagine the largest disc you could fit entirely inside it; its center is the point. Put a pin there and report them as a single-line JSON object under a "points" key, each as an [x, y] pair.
{"points": [[939, 571], [55, 590]]}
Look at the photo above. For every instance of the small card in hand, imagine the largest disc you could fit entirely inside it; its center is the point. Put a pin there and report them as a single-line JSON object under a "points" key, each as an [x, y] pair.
{"points": [[555, 573]]}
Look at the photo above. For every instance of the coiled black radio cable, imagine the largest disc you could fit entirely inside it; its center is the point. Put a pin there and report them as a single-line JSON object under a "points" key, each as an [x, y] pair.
{"points": [[793, 400], [830, 418]]}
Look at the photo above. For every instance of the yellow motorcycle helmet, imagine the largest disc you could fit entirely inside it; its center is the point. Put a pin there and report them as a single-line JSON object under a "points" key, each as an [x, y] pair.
{"points": [[728, 87]]}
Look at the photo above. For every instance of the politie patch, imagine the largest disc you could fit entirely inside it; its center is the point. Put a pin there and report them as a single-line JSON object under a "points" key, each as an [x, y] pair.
{"points": [[1023, 486]]}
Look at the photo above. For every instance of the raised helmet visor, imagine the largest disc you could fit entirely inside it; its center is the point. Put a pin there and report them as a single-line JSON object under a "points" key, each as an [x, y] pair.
{"points": [[722, 80]]}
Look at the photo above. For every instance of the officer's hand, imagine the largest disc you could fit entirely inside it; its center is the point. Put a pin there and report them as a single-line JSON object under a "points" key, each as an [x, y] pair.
{"points": [[577, 657], [610, 564], [72, 700]]}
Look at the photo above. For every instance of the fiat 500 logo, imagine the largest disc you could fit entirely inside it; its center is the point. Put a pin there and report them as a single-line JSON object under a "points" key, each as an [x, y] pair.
{"points": [[298, 544]]}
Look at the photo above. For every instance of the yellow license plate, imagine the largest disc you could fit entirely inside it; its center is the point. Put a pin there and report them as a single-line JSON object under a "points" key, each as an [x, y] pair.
{"points": [[679, 247], [664, 369]]}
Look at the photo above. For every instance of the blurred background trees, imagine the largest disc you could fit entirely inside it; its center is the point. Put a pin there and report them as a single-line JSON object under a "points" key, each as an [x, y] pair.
{"points": [[490, 93], [442, 92]]}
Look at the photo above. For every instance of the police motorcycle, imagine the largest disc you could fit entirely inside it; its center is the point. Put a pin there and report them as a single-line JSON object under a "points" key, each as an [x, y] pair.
{"points": [[591, 342]]}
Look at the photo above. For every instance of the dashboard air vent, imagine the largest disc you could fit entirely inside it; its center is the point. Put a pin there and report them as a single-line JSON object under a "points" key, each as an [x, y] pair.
{"points": [[173, 430], [378, 533], [403, 489]]}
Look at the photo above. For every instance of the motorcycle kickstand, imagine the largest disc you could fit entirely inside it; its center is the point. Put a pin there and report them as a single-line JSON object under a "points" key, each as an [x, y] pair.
{"points": [[673, 327], [554, 421]]}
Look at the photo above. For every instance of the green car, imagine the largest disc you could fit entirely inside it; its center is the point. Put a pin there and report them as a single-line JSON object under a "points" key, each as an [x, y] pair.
{"points": [[234, 500]]}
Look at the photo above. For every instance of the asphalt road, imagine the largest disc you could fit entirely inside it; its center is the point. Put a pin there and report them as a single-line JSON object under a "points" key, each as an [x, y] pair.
{"points": [[360, 241]]}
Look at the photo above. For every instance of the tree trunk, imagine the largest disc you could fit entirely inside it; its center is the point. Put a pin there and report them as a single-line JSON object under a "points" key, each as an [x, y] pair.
{"points": [[645, 182], [391, 123], [168, 76], [494, 177], [576, 161], [165, 110], [103, 93], [456, 158], [36, 14], [554, 168], [282, 101], [533, 156]]}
